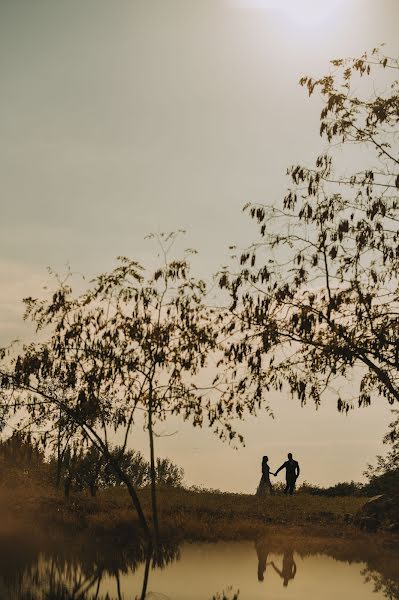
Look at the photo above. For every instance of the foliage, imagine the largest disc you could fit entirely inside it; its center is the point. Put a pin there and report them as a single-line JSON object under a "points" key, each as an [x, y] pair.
{"points": [[127, 343], [132, 462], [168, 474], [20, 450], [86, 468], [384, 476], [339, 489], [82, 469], [21, 459], [386, 483], [131, 344], [317, 295]]}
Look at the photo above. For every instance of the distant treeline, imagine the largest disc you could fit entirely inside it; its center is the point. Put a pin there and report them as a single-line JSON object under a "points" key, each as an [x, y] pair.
{"points": [[78, 468]]}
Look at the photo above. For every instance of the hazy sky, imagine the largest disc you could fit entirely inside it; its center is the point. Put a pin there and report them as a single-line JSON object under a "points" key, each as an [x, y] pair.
{"points": [[123, 117]]}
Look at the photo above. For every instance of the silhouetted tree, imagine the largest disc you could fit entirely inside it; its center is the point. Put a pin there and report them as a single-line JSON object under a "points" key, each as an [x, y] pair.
{"points": [[66, 430], [129, 343], [133, 463], [317, 295], [83, 469], [21, 450], [384, 476], [167, 473]]}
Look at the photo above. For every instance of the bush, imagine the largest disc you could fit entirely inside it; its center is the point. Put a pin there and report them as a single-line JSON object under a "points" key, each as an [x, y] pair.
{"points": [[339, 489], [87, 469], [169, 474], [387, 483], [19, 459], [384, 476]]}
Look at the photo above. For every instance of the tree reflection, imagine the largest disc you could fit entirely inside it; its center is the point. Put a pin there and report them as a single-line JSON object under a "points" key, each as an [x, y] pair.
{"points": [[228, 594], [68, 573], [387, 584], [80, 569]]}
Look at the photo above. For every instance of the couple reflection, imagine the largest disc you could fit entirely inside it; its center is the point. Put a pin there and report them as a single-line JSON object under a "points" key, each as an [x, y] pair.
{"points": [[288, 567]]}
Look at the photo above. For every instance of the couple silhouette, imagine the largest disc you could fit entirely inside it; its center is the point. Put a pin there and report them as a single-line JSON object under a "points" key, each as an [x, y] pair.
{"points": [[292, 471]]}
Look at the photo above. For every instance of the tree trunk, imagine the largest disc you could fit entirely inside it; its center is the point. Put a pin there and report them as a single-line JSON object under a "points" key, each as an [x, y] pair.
{"points": [[152, 468], [146, 574], [133, 495], [67, 486], [58, 474]]}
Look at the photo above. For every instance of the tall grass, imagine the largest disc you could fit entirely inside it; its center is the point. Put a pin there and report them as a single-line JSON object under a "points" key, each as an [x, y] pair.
{"points": [[183, 513], [27, 494]]}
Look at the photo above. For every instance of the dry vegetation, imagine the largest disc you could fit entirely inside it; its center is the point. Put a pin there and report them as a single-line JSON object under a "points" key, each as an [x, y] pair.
{"points": [[27, 495], [184, 514]]}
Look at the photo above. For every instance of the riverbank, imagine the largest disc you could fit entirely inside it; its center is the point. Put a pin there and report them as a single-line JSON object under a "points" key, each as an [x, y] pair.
{"points": [[101, 536], [183, 514]]}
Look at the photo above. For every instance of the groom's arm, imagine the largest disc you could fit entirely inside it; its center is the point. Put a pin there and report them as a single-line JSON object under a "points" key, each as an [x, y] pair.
{"points": [[278, 470]]}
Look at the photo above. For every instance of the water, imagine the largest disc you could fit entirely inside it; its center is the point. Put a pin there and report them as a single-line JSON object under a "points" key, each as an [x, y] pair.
{"points": [[266, 569]]}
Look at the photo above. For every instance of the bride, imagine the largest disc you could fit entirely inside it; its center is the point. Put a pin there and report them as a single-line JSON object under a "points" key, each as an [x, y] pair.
{"points": [[265, 486]]}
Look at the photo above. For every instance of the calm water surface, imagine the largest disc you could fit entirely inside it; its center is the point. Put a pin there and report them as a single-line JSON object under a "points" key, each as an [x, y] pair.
{"points": [[253, 570]]}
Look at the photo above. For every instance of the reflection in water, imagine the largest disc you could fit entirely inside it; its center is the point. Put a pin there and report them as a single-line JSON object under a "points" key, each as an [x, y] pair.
{"points": [[229, 594], [288, 570], [262, 550], [388, 585], [64, 571]]}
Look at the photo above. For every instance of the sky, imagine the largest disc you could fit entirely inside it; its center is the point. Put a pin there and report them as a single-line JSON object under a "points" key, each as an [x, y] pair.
{"points": [[122, 118]]}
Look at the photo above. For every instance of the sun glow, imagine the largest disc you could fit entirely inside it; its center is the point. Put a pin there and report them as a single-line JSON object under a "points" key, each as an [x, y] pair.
{"points": [[310, 12], [306, 13]]}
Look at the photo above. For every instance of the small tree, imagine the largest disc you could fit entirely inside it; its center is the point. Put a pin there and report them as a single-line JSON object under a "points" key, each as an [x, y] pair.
{"points": [[66, 430], [132, 462], [86, 468], [21, 458], [168, 474], [317, 296], [128, 344], [70, 474]]}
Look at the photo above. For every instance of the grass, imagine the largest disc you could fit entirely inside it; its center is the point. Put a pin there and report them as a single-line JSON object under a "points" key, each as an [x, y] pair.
{"points": [[183, 514]]}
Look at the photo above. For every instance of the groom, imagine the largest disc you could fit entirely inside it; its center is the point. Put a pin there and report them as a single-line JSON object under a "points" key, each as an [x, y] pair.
{"points": [[291, 474]]}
